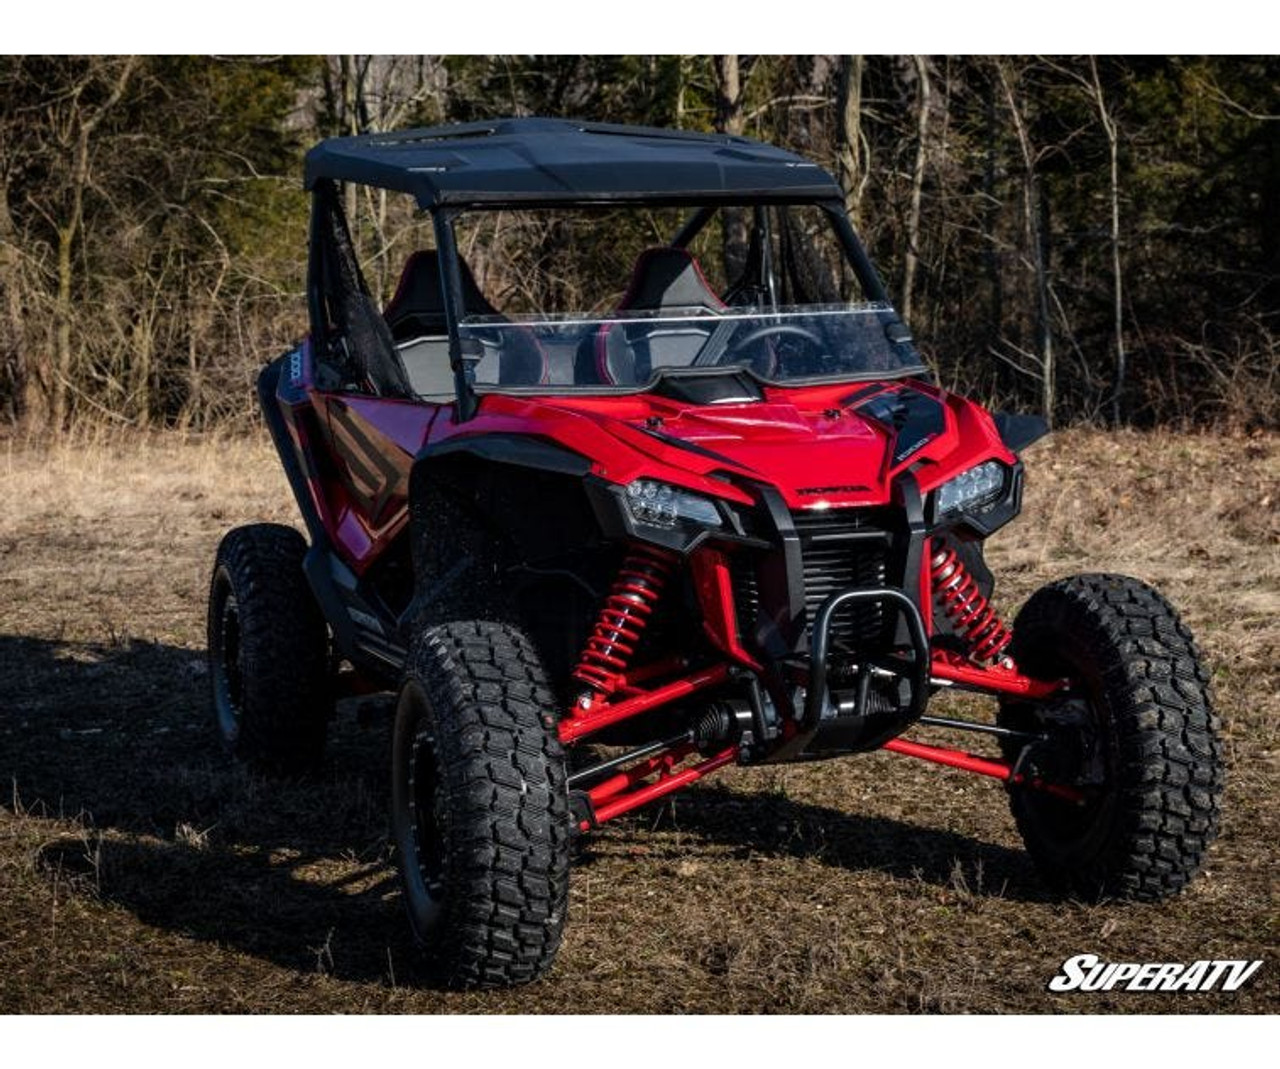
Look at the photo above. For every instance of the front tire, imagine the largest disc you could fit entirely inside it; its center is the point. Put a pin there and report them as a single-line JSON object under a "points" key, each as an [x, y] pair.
{"points": [[1138, 735], [479, 805], [268, 651]]}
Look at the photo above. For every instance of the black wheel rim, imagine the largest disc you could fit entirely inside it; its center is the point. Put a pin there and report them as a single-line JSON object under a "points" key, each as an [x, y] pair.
{"points": [[1069, 823], [1071, 826], [429, 816], [419, 824], [227, 662]]}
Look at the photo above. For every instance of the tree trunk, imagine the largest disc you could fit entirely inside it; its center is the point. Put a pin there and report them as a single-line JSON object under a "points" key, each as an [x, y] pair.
{"points": [[192, 408], [850, 157], [1269, 225], [350, 125], [990, 219], [923, 102], [67, 234], [1034, 213], [730, 119], [17, 389], [681, 91], [83, 122], [143, 353], [62, 328], [1038, 209], [1117, 274]]}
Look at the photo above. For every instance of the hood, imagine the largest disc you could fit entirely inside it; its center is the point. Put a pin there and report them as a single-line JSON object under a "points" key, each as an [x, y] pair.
{"points": [[811, 456], [820, 446]]}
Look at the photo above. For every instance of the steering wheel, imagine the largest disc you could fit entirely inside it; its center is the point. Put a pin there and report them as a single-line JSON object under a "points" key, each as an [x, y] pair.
{"points": [[742, 346], [778, 328]]}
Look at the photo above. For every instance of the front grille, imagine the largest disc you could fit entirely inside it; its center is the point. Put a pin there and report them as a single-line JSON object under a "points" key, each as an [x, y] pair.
{"points": [[746, 594], [840, 548]]}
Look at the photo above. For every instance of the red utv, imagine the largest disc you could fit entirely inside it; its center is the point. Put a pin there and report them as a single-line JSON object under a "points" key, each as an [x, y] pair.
{"points": [[638, 475]]}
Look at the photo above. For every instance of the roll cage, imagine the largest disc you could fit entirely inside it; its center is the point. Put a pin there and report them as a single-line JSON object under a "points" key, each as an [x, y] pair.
{"points": [[540, 163]]}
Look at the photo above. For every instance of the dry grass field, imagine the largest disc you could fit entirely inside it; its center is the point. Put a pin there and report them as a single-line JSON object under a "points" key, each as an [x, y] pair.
{"points": [[141, 871]]}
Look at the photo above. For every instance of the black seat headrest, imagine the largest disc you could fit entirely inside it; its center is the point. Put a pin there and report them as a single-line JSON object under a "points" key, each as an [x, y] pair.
{"points": [[417, 308], [665, 278], [669, 277]]}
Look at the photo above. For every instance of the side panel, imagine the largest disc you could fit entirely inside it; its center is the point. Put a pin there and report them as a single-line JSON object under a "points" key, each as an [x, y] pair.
{"points": [[372, 443], [350, 454]]}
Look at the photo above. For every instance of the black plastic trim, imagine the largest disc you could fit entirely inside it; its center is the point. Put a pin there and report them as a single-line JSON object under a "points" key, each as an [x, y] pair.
{"points": [[517, 449], [913, 536], [1019, 430], [783, 568], [268, 386]]}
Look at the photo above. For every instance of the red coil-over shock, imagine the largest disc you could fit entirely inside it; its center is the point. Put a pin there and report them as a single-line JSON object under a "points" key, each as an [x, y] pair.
{"points": [[957, 596], [623, 617]]}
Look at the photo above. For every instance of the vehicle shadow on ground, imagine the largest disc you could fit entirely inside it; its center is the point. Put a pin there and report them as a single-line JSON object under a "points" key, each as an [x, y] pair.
{"points": [[772, 825], [118, 737]]}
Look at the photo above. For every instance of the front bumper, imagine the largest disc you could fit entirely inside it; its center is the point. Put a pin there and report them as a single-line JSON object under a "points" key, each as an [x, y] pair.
{"points": [[859, 717]]}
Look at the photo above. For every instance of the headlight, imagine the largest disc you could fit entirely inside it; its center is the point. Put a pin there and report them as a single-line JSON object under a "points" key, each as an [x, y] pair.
{"points": [[661, 505], [970, 490]]}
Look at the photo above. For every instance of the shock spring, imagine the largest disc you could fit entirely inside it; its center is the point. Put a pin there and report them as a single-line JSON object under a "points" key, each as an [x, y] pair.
{"points": [[956, 593], [622, 619]]}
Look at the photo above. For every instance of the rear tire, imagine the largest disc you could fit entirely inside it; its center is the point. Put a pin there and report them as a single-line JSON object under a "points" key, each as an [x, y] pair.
{"points": [[1143, 741], [268, 651], [479, 805]]}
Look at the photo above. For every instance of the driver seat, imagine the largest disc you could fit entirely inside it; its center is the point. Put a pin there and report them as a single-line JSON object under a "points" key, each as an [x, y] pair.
{"points": [[416, 318], [665, 279]]}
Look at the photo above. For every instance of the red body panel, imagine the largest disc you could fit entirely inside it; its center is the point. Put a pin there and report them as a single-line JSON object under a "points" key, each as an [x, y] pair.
{"points": [[710, 571], [815, 450]]}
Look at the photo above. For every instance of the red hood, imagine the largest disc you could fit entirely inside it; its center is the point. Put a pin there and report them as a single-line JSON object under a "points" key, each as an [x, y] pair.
{"points": [[810, 455], [819, 446]]}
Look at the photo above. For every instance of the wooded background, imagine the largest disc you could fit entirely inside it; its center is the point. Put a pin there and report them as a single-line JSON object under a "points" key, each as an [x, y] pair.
{"points": [[1093, 238]]}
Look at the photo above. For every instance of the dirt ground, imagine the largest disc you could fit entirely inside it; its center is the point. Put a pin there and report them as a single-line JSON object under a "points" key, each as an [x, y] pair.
{"points": [[141, 871]]}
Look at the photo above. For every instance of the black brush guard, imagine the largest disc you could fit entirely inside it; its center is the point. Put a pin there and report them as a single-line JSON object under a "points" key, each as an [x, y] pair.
{"points": [[855, 730]]}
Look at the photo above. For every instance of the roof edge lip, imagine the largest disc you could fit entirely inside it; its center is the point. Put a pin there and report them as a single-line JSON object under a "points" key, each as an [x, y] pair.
{"points": [[538, 124], [684, 197]]}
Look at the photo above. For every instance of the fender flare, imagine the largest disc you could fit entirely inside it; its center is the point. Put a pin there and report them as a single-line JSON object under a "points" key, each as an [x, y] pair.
{"points": [[516, 450], [512, 452], [1018, 430]]}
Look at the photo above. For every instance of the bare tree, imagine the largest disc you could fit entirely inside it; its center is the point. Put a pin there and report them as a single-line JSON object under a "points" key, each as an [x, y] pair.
{"points": [[74, 122], [851, 146], [730, 119], [1036, 248], [1107, 120], [924, 95], [14, 378], [368, 94], [1086, 76]]}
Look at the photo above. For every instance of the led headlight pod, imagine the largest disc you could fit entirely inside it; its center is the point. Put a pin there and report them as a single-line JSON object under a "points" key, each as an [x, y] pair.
{"points": [[662, 505], [980, 485]]}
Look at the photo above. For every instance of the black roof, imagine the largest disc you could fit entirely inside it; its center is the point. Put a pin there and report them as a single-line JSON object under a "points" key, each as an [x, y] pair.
{"points": [[530, 161]]}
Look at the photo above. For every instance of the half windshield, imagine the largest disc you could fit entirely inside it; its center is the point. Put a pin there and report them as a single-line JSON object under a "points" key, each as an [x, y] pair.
{"points": [[604, 299], [630, 350]]}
